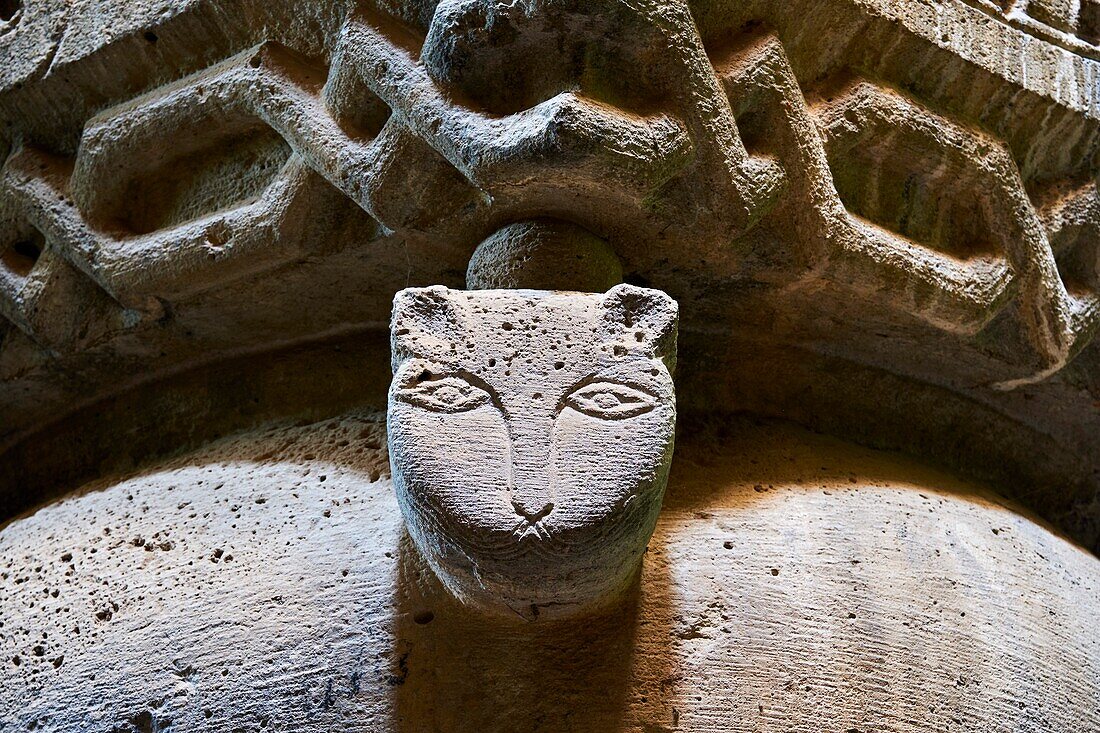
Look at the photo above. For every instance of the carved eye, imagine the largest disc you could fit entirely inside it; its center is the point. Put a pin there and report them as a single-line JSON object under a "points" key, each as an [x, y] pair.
{"points": [[610, 401], [447, 394]]}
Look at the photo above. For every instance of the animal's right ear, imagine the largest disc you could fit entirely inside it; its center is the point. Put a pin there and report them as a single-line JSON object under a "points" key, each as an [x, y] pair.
{"points": [[424, 324], [642, 318]]}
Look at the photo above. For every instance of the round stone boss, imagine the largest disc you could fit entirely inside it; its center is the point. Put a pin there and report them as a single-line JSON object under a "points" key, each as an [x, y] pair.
{"points": [[544, 254]]}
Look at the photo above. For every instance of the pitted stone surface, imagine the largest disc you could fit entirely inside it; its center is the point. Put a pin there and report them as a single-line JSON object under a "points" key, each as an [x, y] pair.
{"points": [[531, 434], [544, 254], [793, 583], [899, 185], [879, 216]]}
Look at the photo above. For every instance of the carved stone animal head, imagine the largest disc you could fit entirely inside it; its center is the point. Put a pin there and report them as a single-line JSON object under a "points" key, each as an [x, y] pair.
{"points": [[530, 438]]}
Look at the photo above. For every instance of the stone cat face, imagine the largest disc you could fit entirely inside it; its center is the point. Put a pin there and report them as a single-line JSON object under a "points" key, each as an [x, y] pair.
{"points": [[530, 438]]}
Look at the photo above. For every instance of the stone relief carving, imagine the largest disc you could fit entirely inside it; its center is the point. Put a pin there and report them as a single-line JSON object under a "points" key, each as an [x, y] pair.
{"points": [[885, 209], [1071, 24], [378, 113], [793, 170], [530, 439]]}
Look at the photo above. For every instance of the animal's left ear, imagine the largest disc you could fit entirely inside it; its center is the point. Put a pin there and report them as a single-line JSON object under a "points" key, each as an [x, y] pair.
{"points": [[642, 318]]}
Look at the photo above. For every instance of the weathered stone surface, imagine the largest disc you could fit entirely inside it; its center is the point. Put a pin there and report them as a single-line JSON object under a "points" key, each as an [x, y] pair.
{"points": [[902, 186], [880, 218], [793, 583], [544, 254], [29, 34], [531, 434]]}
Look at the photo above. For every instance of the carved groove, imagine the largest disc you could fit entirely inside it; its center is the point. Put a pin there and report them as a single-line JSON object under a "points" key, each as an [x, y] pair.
{"points": [[409, 135]]}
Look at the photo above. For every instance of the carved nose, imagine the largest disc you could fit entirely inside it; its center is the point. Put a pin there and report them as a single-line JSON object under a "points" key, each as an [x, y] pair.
{"points": [[532, 516]]}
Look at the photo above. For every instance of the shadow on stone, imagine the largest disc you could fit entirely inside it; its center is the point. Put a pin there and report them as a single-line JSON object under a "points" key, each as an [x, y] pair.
{"points": [[454, 669]]}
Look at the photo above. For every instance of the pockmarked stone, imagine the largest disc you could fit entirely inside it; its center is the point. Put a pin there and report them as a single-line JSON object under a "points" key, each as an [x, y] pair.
{"points": [[530, 437], [892, 205], [544, 254]]}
